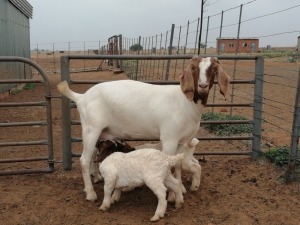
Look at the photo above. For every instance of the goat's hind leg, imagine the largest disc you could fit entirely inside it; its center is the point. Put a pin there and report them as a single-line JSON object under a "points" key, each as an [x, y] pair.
{"points": [[174, 185], [89, 139], [160, 191], [195, 167], [109, 185]]}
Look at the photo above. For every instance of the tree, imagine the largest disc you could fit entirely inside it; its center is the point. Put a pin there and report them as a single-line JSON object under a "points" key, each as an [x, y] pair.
{"points": [[136, 47]]}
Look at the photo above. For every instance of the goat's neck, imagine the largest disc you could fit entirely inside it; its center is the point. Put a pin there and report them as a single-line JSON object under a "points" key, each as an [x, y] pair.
{"points": [[193, 111]]}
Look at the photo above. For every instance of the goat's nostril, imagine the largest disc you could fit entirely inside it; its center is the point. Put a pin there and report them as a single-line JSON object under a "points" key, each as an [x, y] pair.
{"points": [[203, 85]]}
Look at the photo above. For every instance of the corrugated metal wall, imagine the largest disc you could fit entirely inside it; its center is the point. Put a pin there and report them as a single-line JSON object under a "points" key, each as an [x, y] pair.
{"points": [[14, 41]]}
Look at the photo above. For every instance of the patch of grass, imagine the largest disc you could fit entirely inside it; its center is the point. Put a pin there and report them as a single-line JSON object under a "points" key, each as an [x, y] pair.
{"points": [[225, 129], [29, 86], [280, 156]]}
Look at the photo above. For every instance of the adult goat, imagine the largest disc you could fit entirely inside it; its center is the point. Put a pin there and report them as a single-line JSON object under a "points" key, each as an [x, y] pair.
{"points": [[128, 109]]}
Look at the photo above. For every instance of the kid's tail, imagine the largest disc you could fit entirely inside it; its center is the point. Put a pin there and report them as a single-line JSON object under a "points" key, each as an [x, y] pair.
{"points": [[190, 149], [64, 89]]}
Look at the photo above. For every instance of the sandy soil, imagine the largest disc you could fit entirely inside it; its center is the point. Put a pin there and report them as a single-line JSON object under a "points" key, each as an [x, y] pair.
{"points": [[234, 189]]}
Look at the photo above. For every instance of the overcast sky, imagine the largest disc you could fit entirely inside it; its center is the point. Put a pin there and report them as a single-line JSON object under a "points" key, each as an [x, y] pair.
{"points": [[61, 21]]}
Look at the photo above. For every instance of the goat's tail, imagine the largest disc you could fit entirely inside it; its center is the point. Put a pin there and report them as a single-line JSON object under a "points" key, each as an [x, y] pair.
{"points": [[64, 89], [175, 159]]}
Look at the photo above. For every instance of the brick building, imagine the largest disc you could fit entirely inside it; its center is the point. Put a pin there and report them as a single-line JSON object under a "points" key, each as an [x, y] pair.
{"points": [[245, 45]]}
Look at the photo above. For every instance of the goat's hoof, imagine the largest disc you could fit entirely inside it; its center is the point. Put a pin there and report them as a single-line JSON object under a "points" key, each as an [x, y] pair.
{"points": [[155, 218], [178, 205], [194, 188], [171, 197], [92, 197], [183, 189], [103, 208]]}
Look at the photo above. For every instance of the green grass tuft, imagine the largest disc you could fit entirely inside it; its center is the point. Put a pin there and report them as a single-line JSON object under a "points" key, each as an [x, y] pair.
{"points": [[225, 129]]}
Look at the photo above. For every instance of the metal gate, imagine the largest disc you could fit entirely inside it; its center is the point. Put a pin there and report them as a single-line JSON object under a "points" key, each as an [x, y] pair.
{"points": [[256, 105], [48, 142]]}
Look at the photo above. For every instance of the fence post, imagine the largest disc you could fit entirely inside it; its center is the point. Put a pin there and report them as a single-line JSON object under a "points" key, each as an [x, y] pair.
{"points": [[137, 61], [291, 171], [206, 35], [120, 51], [236, 52], [66, 120], [257, 111], [170, 51], [220, 35], [195, 47]]}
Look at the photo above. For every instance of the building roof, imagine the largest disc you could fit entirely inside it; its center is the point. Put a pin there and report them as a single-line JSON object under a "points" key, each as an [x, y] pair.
{"points": [[23, 6]]}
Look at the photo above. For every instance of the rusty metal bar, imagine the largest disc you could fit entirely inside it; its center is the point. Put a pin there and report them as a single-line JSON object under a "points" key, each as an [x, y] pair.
{"points": [[26, 171], [12, 81], [22, 104], [77, 122], [25, 143], [222, 153], [23, 160], [218, 138], [156, 82], [155, 57], [19, 124]]}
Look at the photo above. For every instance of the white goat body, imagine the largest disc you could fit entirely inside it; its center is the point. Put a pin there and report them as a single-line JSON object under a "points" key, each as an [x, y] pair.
{"points": [[146, 166], [128, 109]]}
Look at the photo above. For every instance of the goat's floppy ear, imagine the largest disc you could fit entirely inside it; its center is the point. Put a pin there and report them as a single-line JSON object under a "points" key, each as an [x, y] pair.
{"points": [[187, 83], [223, 79]]}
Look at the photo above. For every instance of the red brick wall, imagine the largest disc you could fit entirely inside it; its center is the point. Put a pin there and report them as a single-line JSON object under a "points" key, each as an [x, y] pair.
{"points": [[244, 45]]}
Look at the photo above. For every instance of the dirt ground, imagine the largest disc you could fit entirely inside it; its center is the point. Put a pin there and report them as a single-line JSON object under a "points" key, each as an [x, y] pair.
{"points": [[234, 189]]}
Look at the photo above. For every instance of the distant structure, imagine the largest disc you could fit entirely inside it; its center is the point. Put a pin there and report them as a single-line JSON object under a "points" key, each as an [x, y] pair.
{"points": [[298, 45], [245, 45], [15, 39]]}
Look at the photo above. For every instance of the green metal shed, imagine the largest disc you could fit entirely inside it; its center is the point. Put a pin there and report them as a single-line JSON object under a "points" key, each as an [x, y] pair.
{"points": [[14, 40]]}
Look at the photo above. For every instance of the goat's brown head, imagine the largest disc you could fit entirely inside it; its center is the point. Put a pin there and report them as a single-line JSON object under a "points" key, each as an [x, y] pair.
{"points": [[107, 147], [198, 78]]}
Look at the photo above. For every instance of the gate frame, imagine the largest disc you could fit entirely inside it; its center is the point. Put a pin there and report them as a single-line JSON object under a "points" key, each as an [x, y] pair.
{"points": [[257, 105], [48, 123]]}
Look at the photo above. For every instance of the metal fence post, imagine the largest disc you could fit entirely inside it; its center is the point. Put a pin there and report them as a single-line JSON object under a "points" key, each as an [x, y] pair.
{"points": [[66, 120], [206, 36], [220, 35], [137, 61], [170, 52], [120, 62], [291, 171], [257, 111]]}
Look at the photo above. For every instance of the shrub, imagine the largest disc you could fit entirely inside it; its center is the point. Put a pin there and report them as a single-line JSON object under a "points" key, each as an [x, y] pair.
{"points": [[280, 156], [136, 47], [225, 129]]}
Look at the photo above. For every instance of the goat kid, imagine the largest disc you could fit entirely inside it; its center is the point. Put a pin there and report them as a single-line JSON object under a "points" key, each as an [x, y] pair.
{"points": [[101, 153], [146, 166], [128, 109]]}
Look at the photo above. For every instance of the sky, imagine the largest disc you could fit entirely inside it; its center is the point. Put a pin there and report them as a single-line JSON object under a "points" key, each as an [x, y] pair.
{"points": [[93, 21]]}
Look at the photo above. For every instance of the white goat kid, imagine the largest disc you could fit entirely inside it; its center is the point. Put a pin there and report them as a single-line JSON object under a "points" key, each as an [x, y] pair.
{"points": [[146, 166], [128, 109]]}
